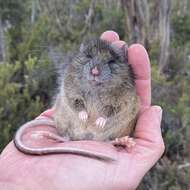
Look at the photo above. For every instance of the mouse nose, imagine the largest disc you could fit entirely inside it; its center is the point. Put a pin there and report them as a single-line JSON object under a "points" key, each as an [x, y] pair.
{"points": [[95, 71]]}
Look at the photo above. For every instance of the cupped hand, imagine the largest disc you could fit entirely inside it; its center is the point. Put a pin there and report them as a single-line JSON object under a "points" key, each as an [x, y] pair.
{"points": [[69, 172]]}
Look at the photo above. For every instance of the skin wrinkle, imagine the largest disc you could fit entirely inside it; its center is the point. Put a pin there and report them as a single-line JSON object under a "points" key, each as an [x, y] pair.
{"points": [[146, 120], [112, 184], [122, 180], [145, 96]]}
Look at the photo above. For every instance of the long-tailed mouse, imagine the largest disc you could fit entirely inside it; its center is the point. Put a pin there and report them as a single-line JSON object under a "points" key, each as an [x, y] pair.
{"points": [[97, 100]]}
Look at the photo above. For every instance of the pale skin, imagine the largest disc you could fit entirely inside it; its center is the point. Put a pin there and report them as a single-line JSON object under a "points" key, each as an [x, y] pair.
{"points": [[70, 172]]}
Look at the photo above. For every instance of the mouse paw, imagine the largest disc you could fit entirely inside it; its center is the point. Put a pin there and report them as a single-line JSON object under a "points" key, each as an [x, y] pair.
{"points": [[83, 115], [124, 141], [100, 122]]}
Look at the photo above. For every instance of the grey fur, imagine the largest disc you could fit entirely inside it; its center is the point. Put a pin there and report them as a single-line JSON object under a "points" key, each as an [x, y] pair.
{"points": [[111, 94]]}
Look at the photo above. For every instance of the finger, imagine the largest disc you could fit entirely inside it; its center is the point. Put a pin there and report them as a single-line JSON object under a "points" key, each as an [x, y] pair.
{"points": [[138, 58], [149, 143], [109, 36], [148, 130]]}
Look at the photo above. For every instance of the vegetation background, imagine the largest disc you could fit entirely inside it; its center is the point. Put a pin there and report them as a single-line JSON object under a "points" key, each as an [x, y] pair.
{"points": [[37, 35]]}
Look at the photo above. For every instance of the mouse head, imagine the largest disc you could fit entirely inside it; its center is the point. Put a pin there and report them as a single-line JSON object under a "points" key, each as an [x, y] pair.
{"points": [[101, 63]]}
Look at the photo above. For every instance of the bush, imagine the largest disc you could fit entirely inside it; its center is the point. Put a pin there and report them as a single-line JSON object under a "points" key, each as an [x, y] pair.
{"points": [[26, 90]]}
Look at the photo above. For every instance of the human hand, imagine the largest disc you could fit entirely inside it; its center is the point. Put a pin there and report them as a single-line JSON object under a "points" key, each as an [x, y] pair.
{"points": [[56, 172]]}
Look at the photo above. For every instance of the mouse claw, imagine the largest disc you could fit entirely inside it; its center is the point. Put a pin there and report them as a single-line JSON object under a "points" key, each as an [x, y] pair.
{"points": [[100, 122], [124, 141], [83, 115]]}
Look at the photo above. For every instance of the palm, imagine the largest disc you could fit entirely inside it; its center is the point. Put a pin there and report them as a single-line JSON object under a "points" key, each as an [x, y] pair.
{"points": [[77, 172]]}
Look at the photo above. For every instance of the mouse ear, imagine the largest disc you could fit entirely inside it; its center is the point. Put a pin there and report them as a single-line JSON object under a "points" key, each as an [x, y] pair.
{"points": [[124, 52], [120, 53], [88, 45]]}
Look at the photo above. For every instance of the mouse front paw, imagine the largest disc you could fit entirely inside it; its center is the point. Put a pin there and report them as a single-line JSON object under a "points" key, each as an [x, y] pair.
{"points": [[83, 115], [100, 122], [124, 141]]}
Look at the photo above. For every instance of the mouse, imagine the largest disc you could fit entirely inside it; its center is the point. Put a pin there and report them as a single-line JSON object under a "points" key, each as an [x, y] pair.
{"points": [[97, 100]]}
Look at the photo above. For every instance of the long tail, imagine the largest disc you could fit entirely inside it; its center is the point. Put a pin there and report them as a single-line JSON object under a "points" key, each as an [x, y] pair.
{"points": [[52, 150]]}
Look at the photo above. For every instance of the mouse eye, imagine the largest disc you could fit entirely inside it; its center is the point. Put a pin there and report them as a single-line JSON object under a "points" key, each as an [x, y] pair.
{"points": [[111, 61], [89, 56]]}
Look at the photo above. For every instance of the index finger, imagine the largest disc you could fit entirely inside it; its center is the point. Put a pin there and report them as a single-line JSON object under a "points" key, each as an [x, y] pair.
{"points": [[138, 58]]}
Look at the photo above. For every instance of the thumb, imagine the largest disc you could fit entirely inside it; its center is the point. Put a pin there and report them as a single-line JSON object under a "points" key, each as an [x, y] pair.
{"points": [[148, 130], [149, 143]]}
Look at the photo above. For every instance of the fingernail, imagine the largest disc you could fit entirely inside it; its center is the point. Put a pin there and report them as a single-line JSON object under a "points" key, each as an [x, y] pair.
{"points": [[110, 36], [158, 109]]}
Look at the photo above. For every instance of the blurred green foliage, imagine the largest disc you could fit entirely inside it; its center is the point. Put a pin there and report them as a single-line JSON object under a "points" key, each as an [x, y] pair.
{"points": [[28, 78], [25, 92]]}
